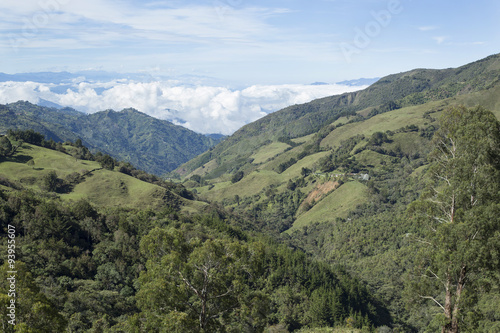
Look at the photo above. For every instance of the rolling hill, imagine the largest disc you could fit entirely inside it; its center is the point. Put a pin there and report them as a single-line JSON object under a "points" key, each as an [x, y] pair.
{"points": [[333, 177], [93, 246], [154, 145], [84, 179]]}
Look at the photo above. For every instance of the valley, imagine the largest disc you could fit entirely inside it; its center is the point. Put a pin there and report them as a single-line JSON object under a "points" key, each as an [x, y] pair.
{"points": [[316, 218]]}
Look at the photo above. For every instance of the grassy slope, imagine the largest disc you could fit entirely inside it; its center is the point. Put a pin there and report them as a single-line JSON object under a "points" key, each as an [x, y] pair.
{"points": [[257, 181], [337, 204], [383, 122], [255, 148], [416, 87], [268, 151], [102, 187]]}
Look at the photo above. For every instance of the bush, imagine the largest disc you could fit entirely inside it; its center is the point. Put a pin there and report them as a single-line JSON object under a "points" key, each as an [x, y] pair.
{"points": [[237, 177]]}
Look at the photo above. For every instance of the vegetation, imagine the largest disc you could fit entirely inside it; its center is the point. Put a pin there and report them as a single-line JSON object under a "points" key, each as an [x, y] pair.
{"points": [[153, 145], [375, 211], [460, 213], [83, 267], [379, 154]]}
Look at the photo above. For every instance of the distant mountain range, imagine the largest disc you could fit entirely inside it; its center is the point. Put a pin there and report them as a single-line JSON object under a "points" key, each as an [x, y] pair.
{"points": [[359, 82], [103, 76], [156, 146]]}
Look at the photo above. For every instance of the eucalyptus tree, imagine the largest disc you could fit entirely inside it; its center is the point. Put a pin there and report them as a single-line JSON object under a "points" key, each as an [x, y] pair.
{"points": [[459, 214]]}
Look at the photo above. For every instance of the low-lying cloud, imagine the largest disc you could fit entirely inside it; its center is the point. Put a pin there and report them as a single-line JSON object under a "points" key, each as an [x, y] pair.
{"points": [[204, 109]]}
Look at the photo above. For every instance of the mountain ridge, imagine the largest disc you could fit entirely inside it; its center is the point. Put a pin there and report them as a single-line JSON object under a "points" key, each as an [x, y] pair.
{"points": [[414, 87], [155, 145]]}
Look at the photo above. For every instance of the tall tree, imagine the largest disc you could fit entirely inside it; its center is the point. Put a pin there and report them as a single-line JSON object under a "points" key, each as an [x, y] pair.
{"points": [[459, 213], [192, 285]]}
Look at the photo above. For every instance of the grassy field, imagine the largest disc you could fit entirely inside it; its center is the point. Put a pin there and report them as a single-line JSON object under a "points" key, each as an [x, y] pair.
{"points": [[204, 169], [101, 187], [113, 189], [45, 160], [369, 157], [251, 184], [393, 120], [268, 151], [336, 204], [488, 99], [303, 139], [306, 162]]}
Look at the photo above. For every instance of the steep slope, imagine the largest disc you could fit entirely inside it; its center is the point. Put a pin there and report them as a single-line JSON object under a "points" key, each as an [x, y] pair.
{"points": [[276, 167], [395, 91], [151, 144], [335, 176]]}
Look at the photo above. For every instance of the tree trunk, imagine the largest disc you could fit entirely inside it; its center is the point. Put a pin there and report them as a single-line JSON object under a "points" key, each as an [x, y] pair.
{"points": [[456, 307], [447, 305], [452, 315]]}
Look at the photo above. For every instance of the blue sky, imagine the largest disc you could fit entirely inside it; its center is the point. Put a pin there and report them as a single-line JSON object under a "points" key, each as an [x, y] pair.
{"points": [[247, 41]]}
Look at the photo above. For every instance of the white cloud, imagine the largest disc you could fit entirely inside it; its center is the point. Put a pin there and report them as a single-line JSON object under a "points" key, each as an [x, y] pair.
{"points": [[440, 39], [15, 91], [205, 109], [428, 28], [115, 21]]}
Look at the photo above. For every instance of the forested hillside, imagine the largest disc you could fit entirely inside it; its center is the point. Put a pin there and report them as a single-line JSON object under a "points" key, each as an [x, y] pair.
{"points": [[166, 263], [336, 176], [471, 84], [153, 145]]}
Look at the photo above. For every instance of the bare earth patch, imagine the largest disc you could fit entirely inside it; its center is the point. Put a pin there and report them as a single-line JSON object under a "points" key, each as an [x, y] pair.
{"points": [[319, 192]]}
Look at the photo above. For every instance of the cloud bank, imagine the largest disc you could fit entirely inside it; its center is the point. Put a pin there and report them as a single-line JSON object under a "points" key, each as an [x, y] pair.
{"points": [[201, 108]]}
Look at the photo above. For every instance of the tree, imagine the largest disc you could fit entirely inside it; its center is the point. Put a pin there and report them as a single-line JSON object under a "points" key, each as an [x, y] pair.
{"points": [[107, 162], [5, 146], [33, 311], [459, 213], [304, 172], [196, 178], [50, 181], [378, 138], [191, 281], [237, 177]]}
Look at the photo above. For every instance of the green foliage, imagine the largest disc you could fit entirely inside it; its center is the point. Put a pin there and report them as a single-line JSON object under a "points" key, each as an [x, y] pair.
{"points": [[50, 181], [237, 177], [153, 145], [34, 312], [184, 274], [285, 165], [378, 138], [107, 162], [28, 136], [459, 213], [5, 146], [388, 94], [134, 270]]}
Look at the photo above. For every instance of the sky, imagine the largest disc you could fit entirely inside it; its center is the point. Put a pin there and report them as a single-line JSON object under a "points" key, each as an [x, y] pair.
{"points": [[241, 44]]}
